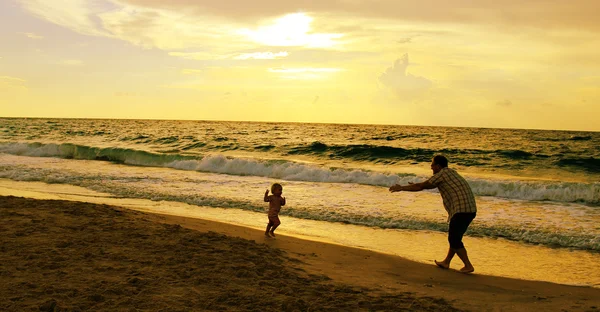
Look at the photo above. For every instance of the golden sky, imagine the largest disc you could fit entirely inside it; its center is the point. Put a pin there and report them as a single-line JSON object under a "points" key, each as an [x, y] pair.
{"points": [[487, 63]]}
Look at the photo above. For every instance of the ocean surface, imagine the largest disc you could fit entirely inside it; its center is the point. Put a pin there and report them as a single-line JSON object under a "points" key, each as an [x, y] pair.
{"points": [[534, 188]]}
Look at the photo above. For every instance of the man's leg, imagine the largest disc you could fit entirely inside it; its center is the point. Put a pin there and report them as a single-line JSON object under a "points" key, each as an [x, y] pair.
{"points": [[456, 229], [462, 254], [269, 225], [446, 263]]}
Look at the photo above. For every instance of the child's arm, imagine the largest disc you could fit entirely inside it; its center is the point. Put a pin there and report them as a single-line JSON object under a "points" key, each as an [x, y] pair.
{"points": [[267, 199], [283, 201]]}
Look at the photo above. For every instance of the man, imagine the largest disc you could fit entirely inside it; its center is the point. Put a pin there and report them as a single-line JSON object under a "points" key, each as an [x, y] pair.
{"points": [[459, 202]]}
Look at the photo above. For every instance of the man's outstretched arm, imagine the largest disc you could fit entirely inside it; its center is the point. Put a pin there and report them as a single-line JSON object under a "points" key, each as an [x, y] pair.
{"points": [[416, 187]]}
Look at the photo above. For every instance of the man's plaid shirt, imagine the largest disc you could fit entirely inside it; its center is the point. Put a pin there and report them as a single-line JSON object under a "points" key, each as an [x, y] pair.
{"points": [[456, 192]]}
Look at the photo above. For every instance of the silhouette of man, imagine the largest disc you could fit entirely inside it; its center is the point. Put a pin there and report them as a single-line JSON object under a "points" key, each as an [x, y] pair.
{"points": [[459, 202]]}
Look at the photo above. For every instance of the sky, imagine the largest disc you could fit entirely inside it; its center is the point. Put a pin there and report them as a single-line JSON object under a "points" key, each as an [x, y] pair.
{"points": [[488, 63]]}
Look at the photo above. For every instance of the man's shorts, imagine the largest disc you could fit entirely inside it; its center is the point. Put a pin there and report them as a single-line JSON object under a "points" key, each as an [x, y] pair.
{"points": [[457, 228]]}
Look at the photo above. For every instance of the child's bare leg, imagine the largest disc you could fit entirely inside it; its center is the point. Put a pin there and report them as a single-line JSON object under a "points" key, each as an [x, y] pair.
{"points": [[273, 229], [269, 225]]}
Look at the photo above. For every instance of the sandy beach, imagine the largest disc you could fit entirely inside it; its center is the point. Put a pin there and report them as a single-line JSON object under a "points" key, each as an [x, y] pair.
{"points": [[75, 256]]}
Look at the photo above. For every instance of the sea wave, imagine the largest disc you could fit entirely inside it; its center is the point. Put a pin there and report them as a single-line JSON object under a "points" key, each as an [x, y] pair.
{"points": [[589, 164], [572, 192], [501, 158], [376, 152], [113, 185], [565, 138], [74, 151], [580, 138]]}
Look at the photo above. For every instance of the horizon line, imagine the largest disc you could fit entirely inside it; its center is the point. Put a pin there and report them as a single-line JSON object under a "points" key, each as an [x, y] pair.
{"points": [[300, 122]]}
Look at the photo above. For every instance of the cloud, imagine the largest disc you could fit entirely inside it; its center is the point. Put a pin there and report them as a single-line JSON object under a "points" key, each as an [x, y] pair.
{"points": [[194, 85], [261, 55], [149, 27], [77, 15], [31, 35], [72, 62], [199, 56], [505, 103], [173, 30], [574, 14], [125, 94], [228, 29], [12, 83], [205, 56], [304, 72], [588, 78], [403, 84], [179, 27], [187, 71], [405, 40], [204, 24]]}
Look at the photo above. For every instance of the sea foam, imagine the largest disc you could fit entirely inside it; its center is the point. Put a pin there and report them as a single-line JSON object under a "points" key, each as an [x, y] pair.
{"points": [[574, 192]]}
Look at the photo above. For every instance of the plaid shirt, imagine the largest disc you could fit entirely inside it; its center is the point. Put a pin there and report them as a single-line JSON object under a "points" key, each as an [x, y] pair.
{"points": [[456, 192]]}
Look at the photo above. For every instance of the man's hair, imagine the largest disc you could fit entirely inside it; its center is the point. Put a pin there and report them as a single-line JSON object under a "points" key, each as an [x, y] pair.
{"points": [[276, 186], [440, 160]]}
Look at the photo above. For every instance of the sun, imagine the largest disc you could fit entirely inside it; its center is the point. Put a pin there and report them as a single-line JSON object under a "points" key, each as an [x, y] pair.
{"points": [[290, 30]]}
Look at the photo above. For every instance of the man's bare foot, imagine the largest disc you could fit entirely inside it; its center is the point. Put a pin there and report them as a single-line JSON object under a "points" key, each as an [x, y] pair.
{"points": [[272, 234], [441, 264], [467, 270]]}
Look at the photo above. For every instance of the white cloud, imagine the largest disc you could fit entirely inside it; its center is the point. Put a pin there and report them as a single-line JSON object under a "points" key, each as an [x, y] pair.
{"points": [[125, 94], [304, 73], [403, 84], [203, 56], [12, 83], [193, 85], [32, 35], [74, 14], [187, 71], [304, 70], [171, 30], [261, 55], [191, 55], [588, 78], [148, 27], [538, 13], [72, 62]]}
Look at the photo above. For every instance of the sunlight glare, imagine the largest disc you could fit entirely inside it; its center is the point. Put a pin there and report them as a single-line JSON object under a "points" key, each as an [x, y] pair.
{"points": [[291, 30]]}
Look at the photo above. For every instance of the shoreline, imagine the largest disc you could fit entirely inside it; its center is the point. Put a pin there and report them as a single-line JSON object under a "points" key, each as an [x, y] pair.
{"points": [[382, 274], [389, 273], [493, 257]]}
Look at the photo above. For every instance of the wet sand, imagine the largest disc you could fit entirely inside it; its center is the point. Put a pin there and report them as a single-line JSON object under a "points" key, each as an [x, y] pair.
{"points": [[72, 256]]}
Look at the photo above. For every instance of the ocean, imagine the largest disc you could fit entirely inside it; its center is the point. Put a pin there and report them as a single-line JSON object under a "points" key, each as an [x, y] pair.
{"points": [[538, 191]]}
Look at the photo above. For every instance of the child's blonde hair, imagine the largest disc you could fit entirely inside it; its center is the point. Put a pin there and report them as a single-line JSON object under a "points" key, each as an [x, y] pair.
{"points": [[276, 186]]}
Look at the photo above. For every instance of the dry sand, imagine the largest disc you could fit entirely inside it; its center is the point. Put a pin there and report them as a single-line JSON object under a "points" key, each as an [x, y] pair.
{"points": [[74, 256]]}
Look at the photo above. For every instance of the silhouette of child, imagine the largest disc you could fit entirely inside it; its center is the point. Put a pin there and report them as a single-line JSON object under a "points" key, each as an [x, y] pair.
{"points": [[275, 203]]}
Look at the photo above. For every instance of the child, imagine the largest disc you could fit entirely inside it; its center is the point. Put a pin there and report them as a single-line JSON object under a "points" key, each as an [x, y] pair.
{"points": [[275, 203]]}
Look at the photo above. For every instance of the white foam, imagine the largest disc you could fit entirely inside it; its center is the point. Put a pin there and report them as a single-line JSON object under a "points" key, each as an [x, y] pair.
{"points": [[286, 170], [588, 193]]}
